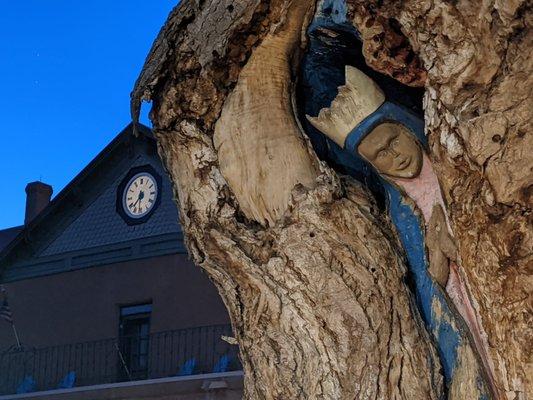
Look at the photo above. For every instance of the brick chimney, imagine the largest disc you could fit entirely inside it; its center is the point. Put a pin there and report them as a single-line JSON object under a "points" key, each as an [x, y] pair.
{"points": [[38, 196]]}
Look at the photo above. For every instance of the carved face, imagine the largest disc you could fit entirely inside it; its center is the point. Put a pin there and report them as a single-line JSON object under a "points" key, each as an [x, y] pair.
{"points": [[392, 150]]}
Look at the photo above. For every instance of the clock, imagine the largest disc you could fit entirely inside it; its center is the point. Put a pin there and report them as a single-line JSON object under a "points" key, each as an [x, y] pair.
{"points": [[139, 194]]}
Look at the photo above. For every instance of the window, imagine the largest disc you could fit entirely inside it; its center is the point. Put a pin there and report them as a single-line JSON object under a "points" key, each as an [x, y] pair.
{"points": [[134, 338]]}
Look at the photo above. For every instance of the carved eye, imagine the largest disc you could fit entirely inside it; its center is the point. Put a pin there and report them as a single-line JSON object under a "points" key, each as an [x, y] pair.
{"points": [[382, 153], [395, 142]]}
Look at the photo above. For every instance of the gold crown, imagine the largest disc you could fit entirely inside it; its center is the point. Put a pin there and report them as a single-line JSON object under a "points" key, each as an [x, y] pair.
{"points": [[355, 101]]}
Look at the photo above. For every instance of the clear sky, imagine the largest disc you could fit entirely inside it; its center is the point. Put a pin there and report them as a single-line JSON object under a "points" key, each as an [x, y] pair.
{"points": [[67, 68]]}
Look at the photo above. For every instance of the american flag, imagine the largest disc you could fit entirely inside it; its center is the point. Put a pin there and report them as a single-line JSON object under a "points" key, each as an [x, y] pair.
{"points": [[5, 312]]}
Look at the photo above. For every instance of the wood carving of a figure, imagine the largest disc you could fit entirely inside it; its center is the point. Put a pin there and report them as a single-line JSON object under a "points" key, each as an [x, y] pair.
{"points": [[392, 140]]}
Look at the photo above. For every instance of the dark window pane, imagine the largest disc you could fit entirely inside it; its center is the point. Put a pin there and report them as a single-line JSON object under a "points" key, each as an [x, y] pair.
{"points": [[134, 340]]}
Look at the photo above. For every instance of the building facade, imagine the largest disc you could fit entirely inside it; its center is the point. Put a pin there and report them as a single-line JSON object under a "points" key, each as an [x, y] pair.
{"points": [[104, 300]]}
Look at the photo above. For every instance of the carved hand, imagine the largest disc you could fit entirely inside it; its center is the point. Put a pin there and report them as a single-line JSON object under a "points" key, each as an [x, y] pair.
{"points": [[441, 246]]}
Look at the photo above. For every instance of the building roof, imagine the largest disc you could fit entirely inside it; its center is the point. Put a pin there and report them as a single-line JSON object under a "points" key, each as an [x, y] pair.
{"points": [[81, 228], [7, 235]]}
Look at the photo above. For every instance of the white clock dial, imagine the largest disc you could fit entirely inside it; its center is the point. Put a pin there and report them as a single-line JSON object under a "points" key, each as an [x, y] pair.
{"points": [[140, 195]]}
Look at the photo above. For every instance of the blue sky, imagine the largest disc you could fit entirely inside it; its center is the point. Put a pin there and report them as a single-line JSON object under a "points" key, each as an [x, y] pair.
{"points": [[67, 68]]}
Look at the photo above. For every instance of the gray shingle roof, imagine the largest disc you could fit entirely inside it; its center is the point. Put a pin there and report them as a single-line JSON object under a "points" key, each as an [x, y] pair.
{"points": [[7, 235], [99, 224]]}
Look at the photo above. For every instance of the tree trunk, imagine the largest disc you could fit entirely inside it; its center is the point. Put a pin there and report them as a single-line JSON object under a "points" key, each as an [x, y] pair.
{"points": [[309, 268]]}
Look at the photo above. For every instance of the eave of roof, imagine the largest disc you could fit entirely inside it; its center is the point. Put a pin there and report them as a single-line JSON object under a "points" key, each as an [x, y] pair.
{"points": [[7, 235]]}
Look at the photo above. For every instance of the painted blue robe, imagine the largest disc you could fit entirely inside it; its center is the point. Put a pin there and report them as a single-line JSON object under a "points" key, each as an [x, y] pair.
{"points": [[322, 73], [441, 319]]}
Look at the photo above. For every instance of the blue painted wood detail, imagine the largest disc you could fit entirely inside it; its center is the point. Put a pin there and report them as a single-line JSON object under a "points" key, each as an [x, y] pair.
{"points": [[387, 112], [322, 73], [440, 317], [446, 326]]}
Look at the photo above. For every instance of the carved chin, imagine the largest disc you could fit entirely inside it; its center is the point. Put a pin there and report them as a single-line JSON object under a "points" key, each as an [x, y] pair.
{"points": [[401, 174], [409, 172], [413, 170]]}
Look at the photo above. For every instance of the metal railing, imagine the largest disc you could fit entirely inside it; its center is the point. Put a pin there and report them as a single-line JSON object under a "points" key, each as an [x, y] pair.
{"points": [[164, 354]]}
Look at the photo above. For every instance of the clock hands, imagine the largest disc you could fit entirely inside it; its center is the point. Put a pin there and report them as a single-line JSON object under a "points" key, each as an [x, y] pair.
{"points": [[143, 189], [139, 198]]}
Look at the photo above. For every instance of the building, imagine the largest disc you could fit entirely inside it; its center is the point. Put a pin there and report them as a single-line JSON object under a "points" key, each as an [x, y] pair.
{"points": [[103, 296]]}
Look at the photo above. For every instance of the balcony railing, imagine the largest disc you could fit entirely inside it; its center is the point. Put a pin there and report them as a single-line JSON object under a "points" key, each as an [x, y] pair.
{"points": [[180, 352]]}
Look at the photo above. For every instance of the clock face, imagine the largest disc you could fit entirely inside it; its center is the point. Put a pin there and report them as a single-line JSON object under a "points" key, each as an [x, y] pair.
{"points": [[140, 195]]}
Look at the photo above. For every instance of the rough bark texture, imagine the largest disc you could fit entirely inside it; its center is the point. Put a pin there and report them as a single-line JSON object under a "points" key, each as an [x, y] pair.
{"points": [[308, 269], [478, 115], [315, 289]]}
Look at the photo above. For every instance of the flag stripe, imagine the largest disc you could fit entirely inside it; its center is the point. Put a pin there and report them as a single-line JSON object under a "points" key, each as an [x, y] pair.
{"points": [[5, 312]]}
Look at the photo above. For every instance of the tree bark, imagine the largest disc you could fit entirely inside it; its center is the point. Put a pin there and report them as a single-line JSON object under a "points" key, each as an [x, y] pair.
{"points": [[309, 269], [478, 117]]}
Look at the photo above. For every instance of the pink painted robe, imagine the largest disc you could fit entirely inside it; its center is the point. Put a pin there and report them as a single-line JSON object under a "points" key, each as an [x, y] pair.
{"points": [[425, 191]]}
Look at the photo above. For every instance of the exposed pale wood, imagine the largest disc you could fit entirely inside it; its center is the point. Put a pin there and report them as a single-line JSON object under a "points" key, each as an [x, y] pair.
{"points": [[355, 101], [260, 147]]}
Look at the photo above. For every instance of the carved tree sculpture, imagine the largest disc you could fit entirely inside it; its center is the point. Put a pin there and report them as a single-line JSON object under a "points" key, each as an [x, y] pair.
{"points": [[308, 264]]}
